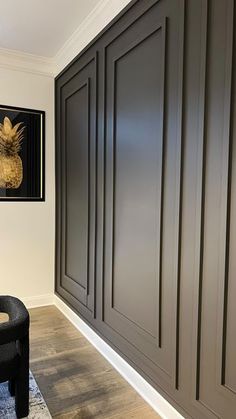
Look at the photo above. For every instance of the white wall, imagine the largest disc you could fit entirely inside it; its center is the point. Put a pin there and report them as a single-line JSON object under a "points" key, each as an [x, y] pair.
{"points": [[27, 228]]}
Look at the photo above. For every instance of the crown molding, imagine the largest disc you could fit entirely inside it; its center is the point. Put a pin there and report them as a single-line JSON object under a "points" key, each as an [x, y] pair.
{"points": [[21, 61], [92, 25]]}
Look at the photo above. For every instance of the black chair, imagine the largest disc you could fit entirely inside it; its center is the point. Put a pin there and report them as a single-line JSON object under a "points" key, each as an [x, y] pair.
{"points": [[14, 352]]}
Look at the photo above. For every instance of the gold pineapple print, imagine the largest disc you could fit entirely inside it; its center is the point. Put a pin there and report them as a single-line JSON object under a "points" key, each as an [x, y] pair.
{"points": [[11, 168]]}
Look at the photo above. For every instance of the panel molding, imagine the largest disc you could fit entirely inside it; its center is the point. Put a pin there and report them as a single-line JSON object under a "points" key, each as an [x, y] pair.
{"points": [[115, 59], [200, 219], [78, 69], [226, 191], [163, 27], [187, 327], [104, 55], [220, 388], [82, 85], [64, 275], [90, 298], [180, 68], [179, 186], [200, 197]]}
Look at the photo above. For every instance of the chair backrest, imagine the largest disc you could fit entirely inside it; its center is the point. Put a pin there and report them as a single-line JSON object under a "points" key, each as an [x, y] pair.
{"points": [[18, 325]]}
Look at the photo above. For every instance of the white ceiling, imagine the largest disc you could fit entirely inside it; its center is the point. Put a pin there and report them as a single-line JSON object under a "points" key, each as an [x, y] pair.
{"points": [[40, 27]]}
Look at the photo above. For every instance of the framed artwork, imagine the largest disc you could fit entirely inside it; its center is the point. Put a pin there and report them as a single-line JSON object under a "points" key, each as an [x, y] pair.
{"points": [[22, 154]]}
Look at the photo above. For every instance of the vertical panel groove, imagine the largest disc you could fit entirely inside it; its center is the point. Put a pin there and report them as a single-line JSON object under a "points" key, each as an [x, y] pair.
{"points": [[228, 126], [89, 187], [96, 184], [62, 133], [181, 147], [201, 191], [104, 173], [114, 90], [164, 46]]}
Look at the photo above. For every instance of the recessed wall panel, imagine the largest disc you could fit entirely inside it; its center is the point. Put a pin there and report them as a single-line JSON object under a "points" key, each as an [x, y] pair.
{"points": [[77, 186], [138, 137], [142, 136]]}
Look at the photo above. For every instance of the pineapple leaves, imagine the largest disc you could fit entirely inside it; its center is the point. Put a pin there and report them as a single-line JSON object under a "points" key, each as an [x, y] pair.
{"points": [[15, 128], [10, 137], [7, 125]]}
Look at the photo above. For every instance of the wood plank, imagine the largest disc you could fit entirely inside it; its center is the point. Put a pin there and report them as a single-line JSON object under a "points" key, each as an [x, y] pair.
{"points": [[74, 378]]}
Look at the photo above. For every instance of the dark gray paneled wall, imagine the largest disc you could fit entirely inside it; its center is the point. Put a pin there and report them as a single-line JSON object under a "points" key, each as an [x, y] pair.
{"points": [[146, 196]]}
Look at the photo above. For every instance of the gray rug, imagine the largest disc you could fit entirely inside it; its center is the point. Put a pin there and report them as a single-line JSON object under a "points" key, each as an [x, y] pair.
{"points": [[38, 407]]}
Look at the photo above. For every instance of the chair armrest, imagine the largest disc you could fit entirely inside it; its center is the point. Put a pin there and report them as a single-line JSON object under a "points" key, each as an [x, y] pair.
{"points": [[18, 325]]}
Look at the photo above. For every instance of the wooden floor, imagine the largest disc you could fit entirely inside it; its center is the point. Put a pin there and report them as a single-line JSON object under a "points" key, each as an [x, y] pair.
{"points": [[75, 380]]}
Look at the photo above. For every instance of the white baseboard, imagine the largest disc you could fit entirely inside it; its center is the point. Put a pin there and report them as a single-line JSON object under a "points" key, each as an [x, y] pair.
{"points": [[38, 300], [146, 391]]}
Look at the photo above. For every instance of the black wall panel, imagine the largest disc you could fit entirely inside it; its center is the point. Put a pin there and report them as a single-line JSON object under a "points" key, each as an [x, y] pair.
{"points": [[145, 126], [143, 108], [78, 108]]}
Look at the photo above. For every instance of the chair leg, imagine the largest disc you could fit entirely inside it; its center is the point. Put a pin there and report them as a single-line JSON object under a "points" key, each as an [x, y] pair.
{"points": [[11, 387], [22, 397], [22, 381]]}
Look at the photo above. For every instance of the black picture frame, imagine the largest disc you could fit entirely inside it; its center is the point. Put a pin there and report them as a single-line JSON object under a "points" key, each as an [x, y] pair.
{"points": [[32, 154]]}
